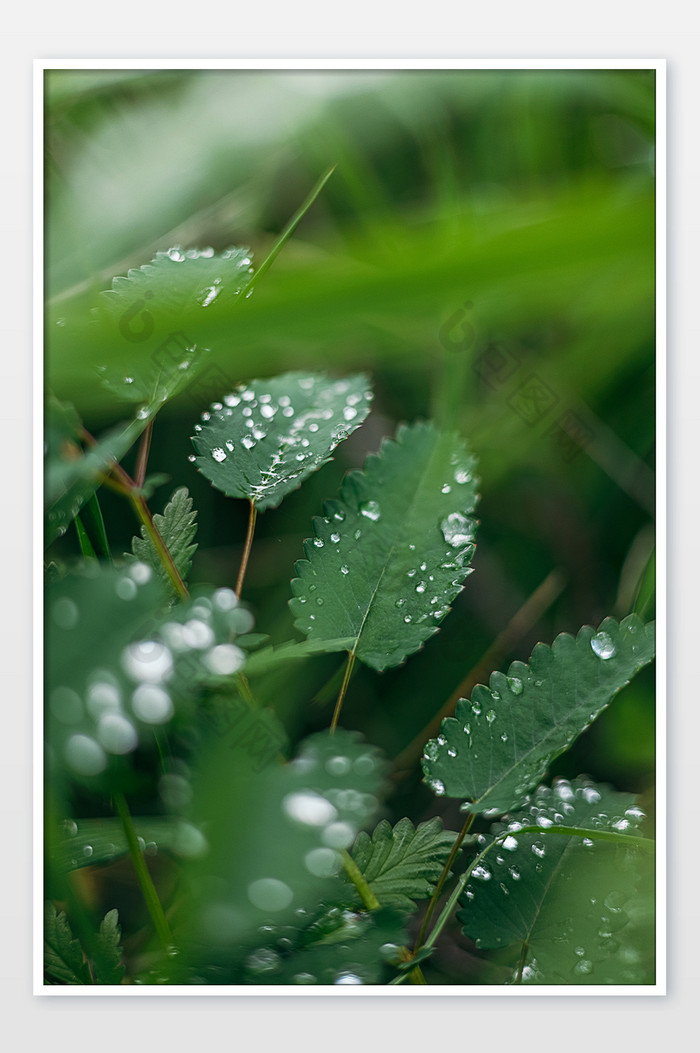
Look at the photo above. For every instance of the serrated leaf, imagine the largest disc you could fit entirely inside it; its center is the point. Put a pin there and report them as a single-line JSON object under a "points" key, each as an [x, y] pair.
{"points": [[269, 435], [500, 743], [562, 897], [177, 526], [64, 962], [155, 316], [402, 864], [392, 554], [108, 965]]}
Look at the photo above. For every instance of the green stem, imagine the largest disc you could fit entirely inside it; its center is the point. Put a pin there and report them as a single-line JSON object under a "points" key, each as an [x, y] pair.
{"points": [[143, 512], [343, 689], [95, 525], [288, 230], [86, 548], [253, 515], [142, 457], [145, 880], [358, 879], [441, 881]]}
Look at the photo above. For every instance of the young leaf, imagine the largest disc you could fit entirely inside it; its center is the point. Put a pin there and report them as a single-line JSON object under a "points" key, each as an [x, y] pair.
{"points": [[108, 953], [177, 526], [269, 435], [64, 962], [562, 897], [150, 317], [392, 554], [402, 864], [500, 743]]}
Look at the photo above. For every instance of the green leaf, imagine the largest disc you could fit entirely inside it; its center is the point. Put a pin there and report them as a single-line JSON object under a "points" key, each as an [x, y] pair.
{"points": [[64, 962], [500, 743], [564, 899], [402, 864], [392, 554], [72, 474], [108, 952], [151, 320], [353, 949], [177, 526], [94, 842], [270, 435]]}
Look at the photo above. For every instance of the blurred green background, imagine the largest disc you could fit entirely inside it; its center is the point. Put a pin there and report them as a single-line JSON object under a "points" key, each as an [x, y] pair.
{"points": [[484, 249]]}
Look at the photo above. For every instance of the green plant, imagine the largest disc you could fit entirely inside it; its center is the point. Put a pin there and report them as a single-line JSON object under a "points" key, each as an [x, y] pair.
{"points": [[279, 867]]}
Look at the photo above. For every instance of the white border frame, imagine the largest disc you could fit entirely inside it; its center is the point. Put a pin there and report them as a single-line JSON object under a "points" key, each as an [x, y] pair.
{"points": [[659, 66]]}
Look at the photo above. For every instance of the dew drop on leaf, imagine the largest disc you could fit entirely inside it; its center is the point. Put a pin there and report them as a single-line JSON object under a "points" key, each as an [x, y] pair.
{"points": [[370, 509], [603, 645]]}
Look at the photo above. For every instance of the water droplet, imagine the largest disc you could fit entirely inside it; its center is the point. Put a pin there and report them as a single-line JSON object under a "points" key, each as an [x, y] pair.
{"points": [[446, 488], [482, 873], [304, 978], [270, 894], [335, 538], [457, 529], [515, 685], [218, 454], [176, 254], [370, 509], [147, 660], [348, 978], [349, 413], [264, 960], [491, 716], [322, 862], [318, 542], [538, 848], [437, 786], [116, 733], [309, 808], [140, 573], [344, 569], [152, 704], [225, 659], [603, 646], [338, 765], [191, 458], [509, 843], [583, 967], [209, 294], [84, 755]]}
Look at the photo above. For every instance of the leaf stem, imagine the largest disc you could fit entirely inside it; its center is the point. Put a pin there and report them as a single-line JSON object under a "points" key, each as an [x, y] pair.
{"points": [[145, 880], [138, 502], [142, 457], [441, 881], [343, 690], [289, 229], [253, 515], [358, 879]]}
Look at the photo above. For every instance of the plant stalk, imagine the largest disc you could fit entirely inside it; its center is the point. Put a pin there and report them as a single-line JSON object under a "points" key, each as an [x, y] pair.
{"points": [[253, 515], [343, 690], [145, 880]]}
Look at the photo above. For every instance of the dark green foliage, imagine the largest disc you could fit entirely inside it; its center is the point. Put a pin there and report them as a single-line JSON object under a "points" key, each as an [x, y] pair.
{"points": [[501, 741], [402, 864], [392, 553]]}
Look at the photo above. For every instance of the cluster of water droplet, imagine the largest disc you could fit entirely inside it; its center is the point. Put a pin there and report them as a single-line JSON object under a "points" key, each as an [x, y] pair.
{"points": [[303, 417], [107, 714]]}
